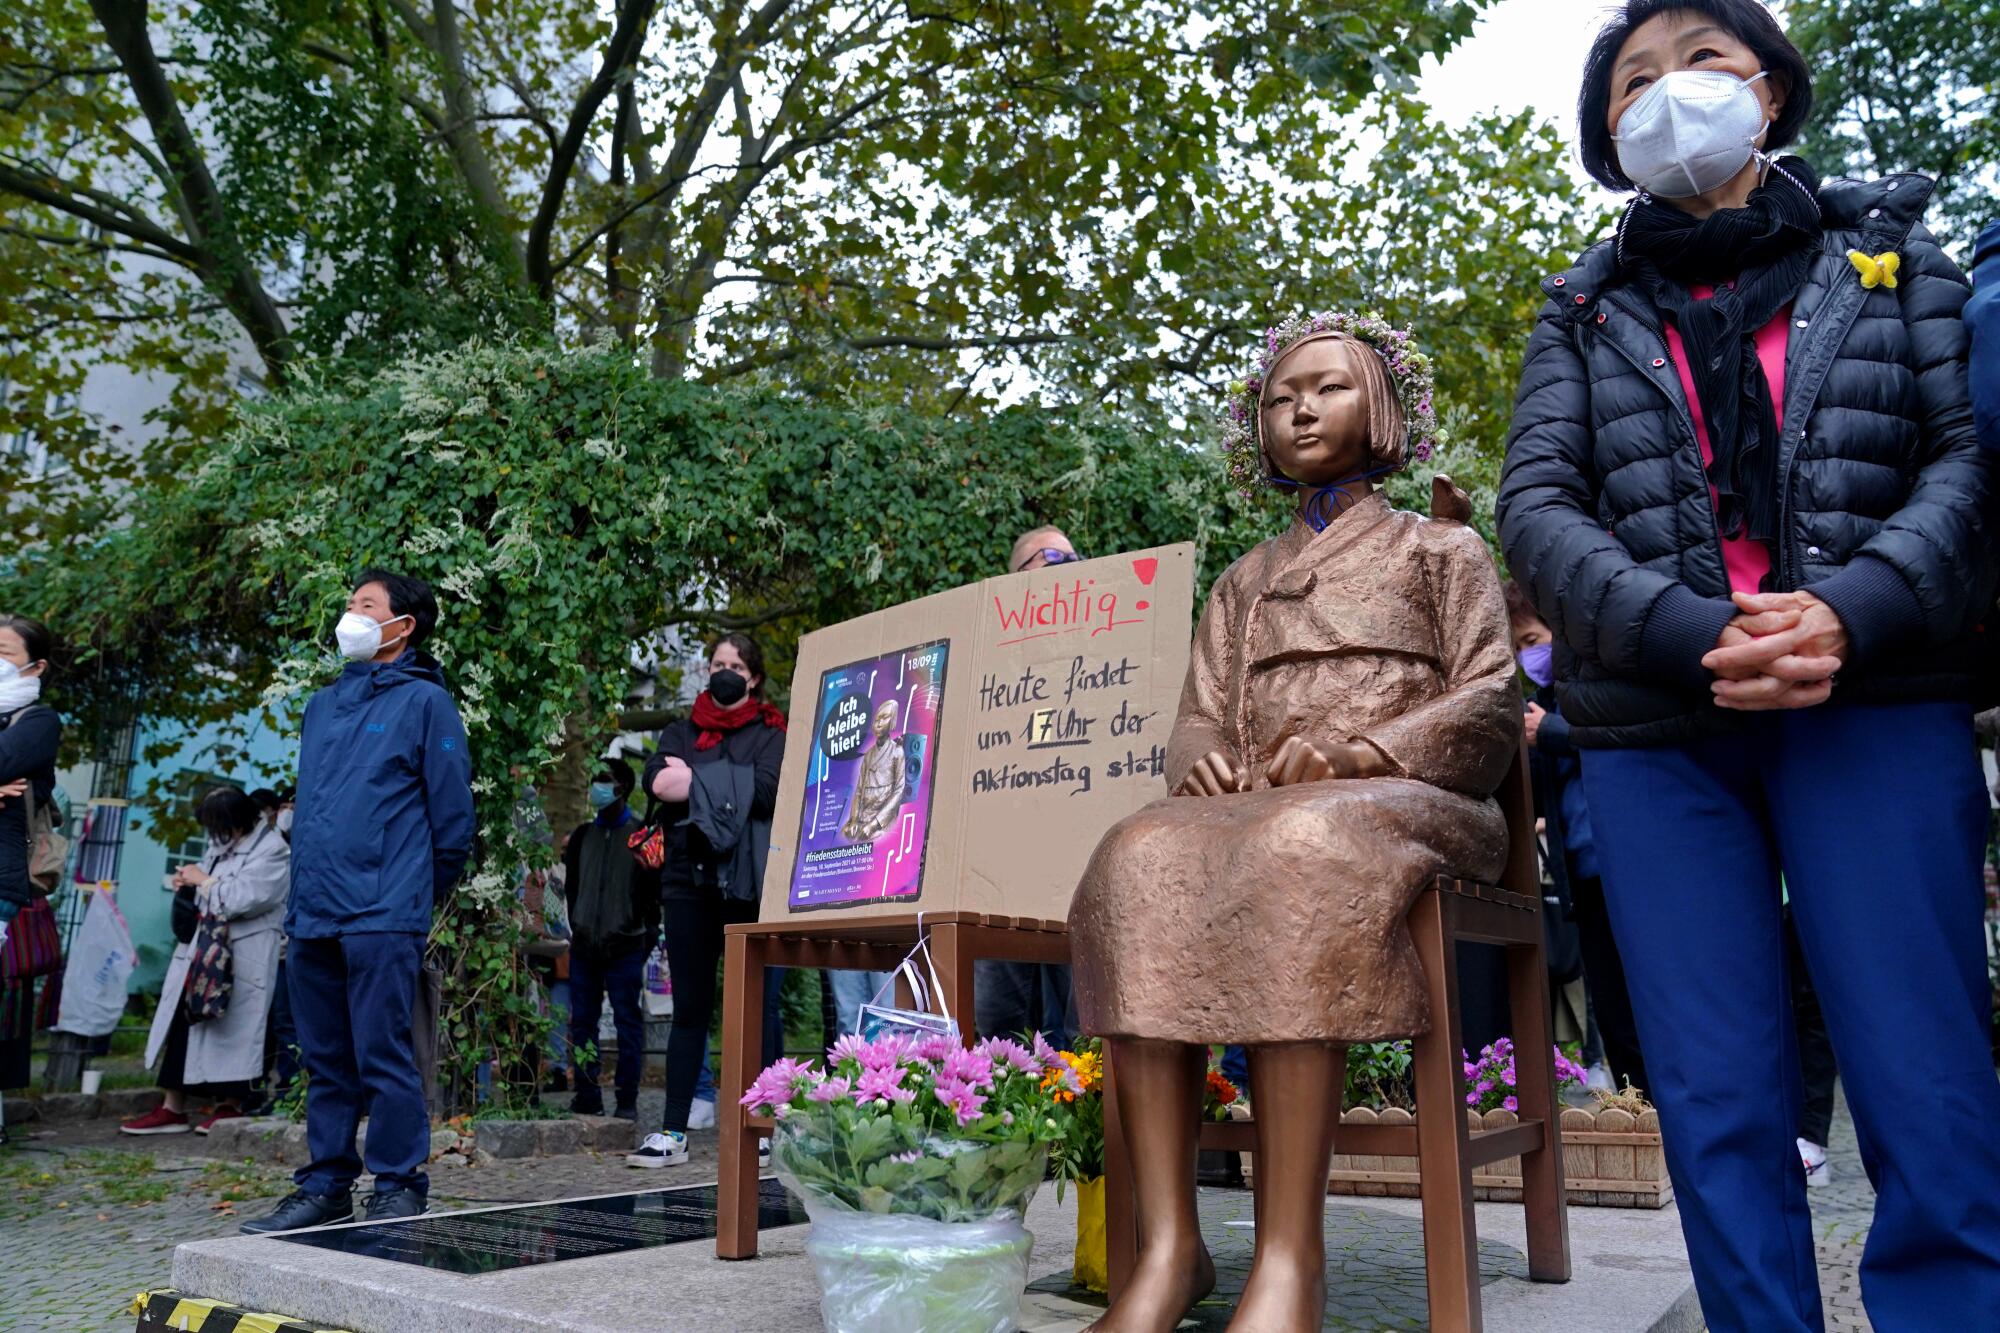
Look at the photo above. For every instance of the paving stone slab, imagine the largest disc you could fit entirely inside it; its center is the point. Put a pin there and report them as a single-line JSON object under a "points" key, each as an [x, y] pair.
{"points": [[1630, 1277]]}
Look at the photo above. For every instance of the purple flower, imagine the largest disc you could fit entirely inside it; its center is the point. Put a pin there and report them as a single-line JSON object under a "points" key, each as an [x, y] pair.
{"points": [[829, 1090], [1485, 1085], [1507, 1076], [960, 1100], [1471, 1069], [963, 1066], [851, 1046], [908, 1157], [775, 1086], [1511, 1103], [1046, 1053], [935, 1047], [884, 1085], [887, 1051], [1005, 1050], [1472, 1099]]}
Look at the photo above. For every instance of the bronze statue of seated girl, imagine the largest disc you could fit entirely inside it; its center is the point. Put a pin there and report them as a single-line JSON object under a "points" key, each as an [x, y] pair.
{"points": [[1350, 708]]}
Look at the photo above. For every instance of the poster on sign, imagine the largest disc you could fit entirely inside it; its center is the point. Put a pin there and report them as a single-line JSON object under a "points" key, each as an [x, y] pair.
{"points": [[965, 752], [866, 813]]}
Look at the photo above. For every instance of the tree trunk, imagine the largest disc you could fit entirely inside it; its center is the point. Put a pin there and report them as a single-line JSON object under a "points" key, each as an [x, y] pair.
{"points": [[565, 798]]}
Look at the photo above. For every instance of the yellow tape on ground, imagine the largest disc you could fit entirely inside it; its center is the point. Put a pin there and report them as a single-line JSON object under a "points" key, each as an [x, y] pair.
{"points": [[191, 1314]]}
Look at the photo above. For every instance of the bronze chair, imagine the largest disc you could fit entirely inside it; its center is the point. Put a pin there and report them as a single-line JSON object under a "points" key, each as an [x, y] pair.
{"points": [[1508, 914]]}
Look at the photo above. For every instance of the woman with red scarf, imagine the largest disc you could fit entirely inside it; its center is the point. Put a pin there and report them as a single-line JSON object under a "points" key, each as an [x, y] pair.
{"points": [[731, 725]]}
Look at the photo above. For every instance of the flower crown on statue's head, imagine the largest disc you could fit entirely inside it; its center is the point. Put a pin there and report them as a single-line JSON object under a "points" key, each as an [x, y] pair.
{"points": [[1409, 372]]}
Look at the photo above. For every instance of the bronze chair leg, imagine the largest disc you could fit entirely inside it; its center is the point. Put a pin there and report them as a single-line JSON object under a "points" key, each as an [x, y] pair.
{"points": [[1534, 1075], [743, 958], [1451, 1240], [954, 966]]}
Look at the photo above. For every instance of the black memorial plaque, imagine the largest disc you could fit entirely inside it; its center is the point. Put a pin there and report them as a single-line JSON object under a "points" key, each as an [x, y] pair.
{"points": [[495, 1239]]}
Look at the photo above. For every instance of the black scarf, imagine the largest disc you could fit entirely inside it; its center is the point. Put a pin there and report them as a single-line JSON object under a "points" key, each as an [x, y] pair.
{"points": [[1764, 247]]}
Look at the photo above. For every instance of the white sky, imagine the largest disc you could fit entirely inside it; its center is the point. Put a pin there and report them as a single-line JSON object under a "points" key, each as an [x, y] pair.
{"points": [[1522, 53]]}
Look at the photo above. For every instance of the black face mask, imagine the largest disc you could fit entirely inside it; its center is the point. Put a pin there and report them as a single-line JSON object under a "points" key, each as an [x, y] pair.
{"points": [[727, 687]]}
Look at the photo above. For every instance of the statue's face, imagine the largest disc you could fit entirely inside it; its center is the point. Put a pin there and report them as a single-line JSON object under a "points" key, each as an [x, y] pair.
{"points": [[885, 719], [1315, 414]]}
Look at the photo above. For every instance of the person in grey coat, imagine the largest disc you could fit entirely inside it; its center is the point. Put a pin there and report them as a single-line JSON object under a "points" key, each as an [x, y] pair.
{"points": [[243, 879]]}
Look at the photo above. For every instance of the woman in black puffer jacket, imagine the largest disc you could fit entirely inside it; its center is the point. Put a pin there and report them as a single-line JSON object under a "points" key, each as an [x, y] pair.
{"points": [[1743, 488]]}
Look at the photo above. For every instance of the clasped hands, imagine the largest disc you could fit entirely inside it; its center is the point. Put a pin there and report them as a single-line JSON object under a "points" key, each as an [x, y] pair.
{"points": [[1298, 760], [1781, 652]]}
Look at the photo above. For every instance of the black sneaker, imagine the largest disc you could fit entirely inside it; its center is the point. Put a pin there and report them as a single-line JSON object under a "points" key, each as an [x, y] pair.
{"points": [[300, 1210], [393, 1205], [558, 1081], [581, 1105], [628, 1112]]}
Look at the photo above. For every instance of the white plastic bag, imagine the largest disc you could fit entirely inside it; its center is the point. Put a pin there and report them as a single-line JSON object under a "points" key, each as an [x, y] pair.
{"points": [[881, 1271], [100, 963]]}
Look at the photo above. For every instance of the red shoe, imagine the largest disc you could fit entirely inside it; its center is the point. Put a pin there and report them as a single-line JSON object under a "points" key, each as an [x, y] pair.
{"points": [[159, 1120], [223, 1112]]}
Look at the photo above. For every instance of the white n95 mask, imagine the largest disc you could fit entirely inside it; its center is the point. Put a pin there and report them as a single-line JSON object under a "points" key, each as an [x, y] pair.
{"points": [[1690, 132], [359, 636]]}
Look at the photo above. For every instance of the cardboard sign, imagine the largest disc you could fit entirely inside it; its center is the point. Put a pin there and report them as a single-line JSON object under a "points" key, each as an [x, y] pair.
{"points": [[966, 752]]}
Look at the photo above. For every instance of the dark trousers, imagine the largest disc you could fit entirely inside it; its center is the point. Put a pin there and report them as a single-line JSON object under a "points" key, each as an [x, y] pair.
{"points": [[281, 1041], [352, 998], [1012, 998], [1878, 817], [694, 945], [1604, 981], [173, 1065], [1817, 1067], [592, 977]]}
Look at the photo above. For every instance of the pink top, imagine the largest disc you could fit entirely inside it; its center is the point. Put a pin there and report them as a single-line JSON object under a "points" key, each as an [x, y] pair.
{"points": [[1746, 559]]}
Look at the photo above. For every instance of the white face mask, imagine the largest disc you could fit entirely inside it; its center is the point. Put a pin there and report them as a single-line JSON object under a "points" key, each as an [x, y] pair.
{"points": [[359, 636], [1689, 133], [285, 821], [17, 690]]}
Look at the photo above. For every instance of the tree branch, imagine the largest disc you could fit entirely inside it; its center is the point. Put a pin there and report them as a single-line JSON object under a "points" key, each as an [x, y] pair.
{"points": [[460, 122], [17, 182], [633, 16], [220, 258]]}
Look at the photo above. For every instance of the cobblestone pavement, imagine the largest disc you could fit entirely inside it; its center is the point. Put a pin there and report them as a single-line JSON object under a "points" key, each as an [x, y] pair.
{"points": [[1841, 1213], [90, 1218]]}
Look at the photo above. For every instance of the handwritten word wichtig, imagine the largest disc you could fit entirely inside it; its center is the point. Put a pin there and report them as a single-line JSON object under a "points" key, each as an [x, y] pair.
{"points": [[1054, 609]]}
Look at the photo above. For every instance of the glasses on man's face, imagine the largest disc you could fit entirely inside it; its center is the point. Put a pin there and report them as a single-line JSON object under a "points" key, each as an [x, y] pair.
{"points": [[1050, 555]]}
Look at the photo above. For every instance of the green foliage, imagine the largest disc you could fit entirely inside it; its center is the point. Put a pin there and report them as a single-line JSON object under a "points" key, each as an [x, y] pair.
{"points": [[1378, 1075], [929, 206], [565, 504], [1902, 86]]}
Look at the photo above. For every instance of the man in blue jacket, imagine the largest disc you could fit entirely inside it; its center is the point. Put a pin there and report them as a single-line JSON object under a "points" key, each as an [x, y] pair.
{"points": [[383, 824], [1982, 317]]}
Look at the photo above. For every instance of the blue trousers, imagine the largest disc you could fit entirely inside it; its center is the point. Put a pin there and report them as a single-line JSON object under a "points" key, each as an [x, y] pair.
{"points": [[591, 978], [351, 999], [851, 990], [1877, 817]]}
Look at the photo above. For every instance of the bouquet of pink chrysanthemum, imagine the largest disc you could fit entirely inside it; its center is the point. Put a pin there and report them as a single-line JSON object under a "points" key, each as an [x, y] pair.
{"points": [[922, 1127], [1490, 1079]]}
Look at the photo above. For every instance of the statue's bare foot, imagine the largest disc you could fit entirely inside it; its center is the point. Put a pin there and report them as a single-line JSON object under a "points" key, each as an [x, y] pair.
{"points": [[1282, 1296], [1165, 1284]]}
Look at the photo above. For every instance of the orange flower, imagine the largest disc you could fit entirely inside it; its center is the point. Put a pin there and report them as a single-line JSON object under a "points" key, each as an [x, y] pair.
{"points": [[1221, 1088], [1088, 1068]]}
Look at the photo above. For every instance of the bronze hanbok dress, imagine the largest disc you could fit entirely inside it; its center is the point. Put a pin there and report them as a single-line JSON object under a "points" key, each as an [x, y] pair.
{"points": [[1278, 914]]}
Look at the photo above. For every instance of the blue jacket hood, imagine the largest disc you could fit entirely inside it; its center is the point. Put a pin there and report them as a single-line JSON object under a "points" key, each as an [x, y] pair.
{"points": [[384, 820]]}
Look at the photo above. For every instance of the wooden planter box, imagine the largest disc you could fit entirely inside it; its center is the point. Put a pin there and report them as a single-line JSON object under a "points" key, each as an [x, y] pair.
{"points": [[1611, 1159]]}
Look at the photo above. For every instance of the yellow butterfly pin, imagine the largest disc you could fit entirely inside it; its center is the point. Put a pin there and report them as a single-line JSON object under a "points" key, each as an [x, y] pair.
{"points": [[1879, 270]]}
